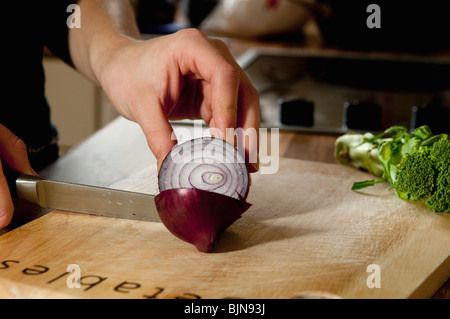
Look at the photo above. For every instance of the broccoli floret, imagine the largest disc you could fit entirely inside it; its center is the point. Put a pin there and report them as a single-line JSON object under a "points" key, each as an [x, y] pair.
{"points": [[439, 201], [416, 164], [425, 175], [416, 175]]}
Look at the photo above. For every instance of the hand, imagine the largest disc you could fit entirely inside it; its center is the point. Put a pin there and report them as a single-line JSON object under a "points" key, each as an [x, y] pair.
{"points": [[13, 153], [182, 75]]}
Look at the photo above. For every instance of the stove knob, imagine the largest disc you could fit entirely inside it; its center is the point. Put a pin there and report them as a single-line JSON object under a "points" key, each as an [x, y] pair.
{"points": [[362, 116], [433, 115], [298, 112]]}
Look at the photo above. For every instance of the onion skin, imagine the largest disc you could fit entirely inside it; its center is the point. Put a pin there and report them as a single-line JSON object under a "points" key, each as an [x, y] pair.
{"points": [[197, 216]]}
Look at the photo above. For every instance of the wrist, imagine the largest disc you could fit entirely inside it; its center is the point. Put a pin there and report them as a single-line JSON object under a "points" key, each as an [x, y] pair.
{"points": [[104, 53], [107, 26]]}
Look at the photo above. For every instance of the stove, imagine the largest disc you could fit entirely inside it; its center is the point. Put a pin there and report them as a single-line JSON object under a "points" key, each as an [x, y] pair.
{"points": [[336, 92]]}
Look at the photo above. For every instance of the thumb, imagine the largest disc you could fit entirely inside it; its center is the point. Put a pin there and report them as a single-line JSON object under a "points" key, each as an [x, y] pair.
{"points": [[13, 153], [6, 203]]}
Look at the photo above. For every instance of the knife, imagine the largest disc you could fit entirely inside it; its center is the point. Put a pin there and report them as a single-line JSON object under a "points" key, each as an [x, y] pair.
{"points": [[82, 198]]}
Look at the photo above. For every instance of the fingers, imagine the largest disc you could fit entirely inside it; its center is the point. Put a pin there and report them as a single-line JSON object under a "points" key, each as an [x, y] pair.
{"points": [[13, 153], [157, 129], [249, 119], [6, 203], [224, 96], [225, 85], [210, 61], [243, 107], [234, 102]]}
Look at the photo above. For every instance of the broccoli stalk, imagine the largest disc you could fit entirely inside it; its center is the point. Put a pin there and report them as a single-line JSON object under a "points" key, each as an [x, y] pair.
{"points": [[416, 164]]}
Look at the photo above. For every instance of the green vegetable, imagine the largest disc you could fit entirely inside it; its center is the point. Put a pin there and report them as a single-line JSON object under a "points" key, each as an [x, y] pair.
{"points": [[416, 164]]}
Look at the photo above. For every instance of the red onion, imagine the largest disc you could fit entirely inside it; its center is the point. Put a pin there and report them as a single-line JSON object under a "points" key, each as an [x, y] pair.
{"points": [[204, 184]]}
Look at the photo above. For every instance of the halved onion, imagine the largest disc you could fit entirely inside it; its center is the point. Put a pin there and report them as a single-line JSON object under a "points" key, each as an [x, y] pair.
{"points": [[203, 186]]}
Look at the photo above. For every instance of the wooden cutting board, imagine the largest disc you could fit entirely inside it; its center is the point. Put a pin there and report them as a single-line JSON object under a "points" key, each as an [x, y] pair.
{"points": [[307, 234]]}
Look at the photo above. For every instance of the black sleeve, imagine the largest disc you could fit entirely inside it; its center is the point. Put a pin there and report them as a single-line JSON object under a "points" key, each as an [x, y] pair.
{"points": [[56, 30]]}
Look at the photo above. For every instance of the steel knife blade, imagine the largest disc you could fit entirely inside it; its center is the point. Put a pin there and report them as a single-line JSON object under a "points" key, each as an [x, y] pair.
{"points": [[86, 199]]}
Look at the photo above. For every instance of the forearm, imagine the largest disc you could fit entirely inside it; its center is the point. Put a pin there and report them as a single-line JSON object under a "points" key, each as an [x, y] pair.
{"points": [[105, 26]]}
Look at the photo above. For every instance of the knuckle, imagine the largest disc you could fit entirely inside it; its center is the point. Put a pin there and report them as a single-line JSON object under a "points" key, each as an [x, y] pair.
{"points": [[230, 71], [191, 33], [219, 44]]}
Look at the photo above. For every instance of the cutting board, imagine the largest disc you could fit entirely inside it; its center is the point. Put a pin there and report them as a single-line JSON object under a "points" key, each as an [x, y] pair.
{"points": [[306, 235]]}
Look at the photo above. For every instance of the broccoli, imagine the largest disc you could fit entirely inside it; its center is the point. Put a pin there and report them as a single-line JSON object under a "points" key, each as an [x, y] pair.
{"points": [[416, 164]]}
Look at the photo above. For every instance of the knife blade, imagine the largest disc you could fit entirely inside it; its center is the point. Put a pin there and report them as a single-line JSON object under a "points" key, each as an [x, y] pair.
{"points": [[85, 199]]}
